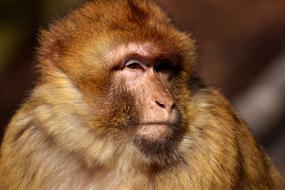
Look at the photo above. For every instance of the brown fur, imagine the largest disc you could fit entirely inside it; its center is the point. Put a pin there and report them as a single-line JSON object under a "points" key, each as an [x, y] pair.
{"points": [[68, 134]]}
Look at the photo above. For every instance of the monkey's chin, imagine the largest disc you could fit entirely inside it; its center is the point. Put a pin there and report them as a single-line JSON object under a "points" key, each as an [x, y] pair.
{"points": [[154, 132], [157, 144]]}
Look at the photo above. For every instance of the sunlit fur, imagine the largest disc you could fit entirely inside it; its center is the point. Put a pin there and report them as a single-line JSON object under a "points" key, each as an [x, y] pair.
{"points": [[74, 132]]}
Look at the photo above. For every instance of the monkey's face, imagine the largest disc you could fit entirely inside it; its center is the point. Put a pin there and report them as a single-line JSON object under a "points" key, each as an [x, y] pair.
{"points": [[148, 79]]}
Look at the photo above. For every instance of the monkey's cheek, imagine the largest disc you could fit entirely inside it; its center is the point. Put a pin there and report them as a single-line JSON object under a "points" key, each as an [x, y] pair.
{"points": [[154, 132]]}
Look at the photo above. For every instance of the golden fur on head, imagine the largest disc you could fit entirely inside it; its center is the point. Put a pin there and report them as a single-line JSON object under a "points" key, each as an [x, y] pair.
{"points": [[97, 27], [73, 132]]}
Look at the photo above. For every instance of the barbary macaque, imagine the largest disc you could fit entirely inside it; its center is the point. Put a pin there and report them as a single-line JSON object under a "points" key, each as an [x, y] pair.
{"points": [[118, 107]]}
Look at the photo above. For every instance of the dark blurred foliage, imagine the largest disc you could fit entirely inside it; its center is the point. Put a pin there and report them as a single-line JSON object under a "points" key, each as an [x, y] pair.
{"points": [[241, 50]]}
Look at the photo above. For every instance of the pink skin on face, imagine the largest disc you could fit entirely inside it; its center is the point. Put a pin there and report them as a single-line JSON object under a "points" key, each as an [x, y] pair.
{"points": [[148, 86]]}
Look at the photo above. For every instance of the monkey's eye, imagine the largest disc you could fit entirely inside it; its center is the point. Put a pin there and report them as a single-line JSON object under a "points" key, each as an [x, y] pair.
{"points": [[134, 64], [163, 66]]}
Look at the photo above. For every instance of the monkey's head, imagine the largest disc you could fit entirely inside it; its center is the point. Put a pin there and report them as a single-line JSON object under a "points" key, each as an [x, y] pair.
{"points": [[130, 67]]}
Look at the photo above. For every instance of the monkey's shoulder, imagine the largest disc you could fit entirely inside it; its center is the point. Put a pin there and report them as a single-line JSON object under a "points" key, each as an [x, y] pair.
{"points": [[226, 143]]}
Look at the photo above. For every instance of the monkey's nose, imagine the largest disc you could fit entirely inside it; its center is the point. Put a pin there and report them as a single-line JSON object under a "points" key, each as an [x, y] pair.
{"points": [[169, 106]]}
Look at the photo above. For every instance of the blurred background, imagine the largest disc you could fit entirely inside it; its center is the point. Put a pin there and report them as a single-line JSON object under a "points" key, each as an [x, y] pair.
{"points": [[241, 51]]}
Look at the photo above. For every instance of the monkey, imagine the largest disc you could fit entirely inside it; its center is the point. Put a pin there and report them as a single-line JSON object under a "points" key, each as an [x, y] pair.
{"points": [[118, 106]]}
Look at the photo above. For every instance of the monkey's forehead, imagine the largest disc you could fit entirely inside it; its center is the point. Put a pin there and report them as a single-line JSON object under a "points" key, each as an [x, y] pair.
{"points": [[147, 50]]}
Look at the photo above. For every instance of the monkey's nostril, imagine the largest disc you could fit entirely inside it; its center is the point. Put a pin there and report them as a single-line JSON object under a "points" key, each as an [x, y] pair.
{"points": [[160, 104]]}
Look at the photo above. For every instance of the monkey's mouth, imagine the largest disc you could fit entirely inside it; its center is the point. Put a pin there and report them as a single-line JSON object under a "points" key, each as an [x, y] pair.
{"points": [[155, 130]]}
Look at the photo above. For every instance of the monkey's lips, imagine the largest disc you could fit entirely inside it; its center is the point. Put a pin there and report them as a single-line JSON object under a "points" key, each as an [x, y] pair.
{"points": [[154, 130]]}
